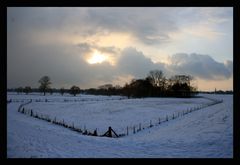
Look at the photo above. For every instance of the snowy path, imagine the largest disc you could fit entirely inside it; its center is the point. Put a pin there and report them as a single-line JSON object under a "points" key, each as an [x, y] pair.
{"points": [[204, 133]]}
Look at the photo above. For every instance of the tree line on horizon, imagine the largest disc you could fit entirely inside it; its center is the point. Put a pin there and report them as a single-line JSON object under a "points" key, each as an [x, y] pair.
{"points": [[154, 85]]}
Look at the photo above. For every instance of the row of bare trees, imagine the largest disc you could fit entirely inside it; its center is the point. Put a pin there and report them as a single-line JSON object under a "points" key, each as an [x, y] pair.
{"points": [[157, 85], [45, 86], [26, 90], [154, 85]]}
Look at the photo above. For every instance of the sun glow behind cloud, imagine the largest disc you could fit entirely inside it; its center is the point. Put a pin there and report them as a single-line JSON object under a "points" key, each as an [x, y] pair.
{"points": [[96, 57]]}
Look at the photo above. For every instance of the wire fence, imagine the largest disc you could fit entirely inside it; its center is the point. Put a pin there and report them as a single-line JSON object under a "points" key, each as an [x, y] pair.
{"points": [[62, 100], [133, 129], [128, 130]]}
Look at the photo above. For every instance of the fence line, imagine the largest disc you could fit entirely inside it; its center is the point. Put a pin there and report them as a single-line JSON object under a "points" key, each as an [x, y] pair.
{"points": [[24, 104], [56, 121], [65, 100], [174, 115], [129, 129]]}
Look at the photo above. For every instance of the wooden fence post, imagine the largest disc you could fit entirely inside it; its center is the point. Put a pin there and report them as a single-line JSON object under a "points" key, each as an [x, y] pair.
{"points": [[110, 131], [95, 132], [151, 123]]}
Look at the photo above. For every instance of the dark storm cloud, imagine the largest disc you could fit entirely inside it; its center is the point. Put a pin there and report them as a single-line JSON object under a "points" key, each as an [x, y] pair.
{"points": [[37, 18], [30, 65], [148, 25], [64, 69], [202, 66], [136, 63], [94, 20], [90, 21], [143, 26]]}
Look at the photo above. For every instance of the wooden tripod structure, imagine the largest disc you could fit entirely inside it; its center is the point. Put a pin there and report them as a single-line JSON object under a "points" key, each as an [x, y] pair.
{"points": [[110, 133]]}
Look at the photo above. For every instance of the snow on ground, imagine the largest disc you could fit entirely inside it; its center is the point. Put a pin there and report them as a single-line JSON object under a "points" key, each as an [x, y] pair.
{"points": [[204, 133], [115, 113]]}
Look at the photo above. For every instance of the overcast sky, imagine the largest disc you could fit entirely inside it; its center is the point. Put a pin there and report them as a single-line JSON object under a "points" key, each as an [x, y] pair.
{"points": [[89, 47]]}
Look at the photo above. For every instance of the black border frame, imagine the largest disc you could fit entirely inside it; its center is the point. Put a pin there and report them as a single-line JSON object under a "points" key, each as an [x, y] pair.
{"points": [[103, 3]]}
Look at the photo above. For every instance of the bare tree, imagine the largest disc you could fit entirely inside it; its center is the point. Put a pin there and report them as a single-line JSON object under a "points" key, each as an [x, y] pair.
{"points": [[182, 79], [62, 91], [157, 79], [27, 89], [44, 84], [181, 85], [74, 90], [127, 90], [139, 88], [19, 90]]}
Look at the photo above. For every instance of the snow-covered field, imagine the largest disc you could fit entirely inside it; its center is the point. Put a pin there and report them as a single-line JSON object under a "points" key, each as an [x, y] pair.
{"points": [[204, 133]]}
